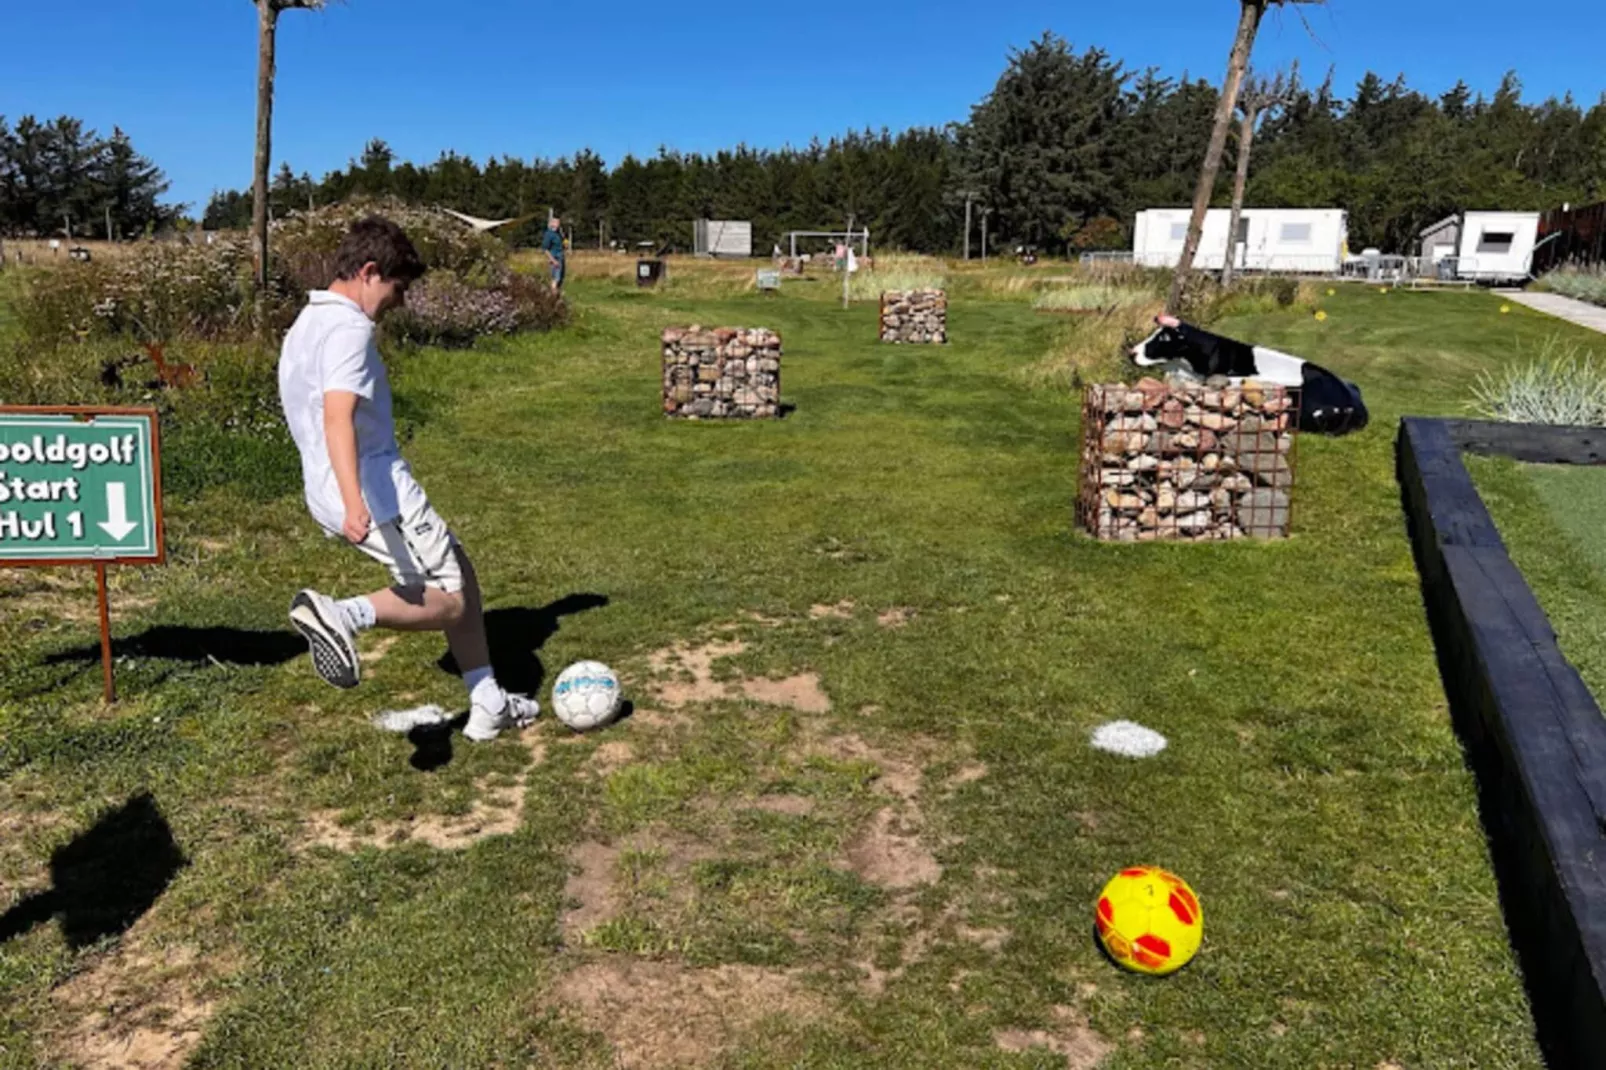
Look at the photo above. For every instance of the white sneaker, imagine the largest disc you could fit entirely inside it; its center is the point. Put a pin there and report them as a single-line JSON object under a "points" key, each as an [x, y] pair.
{"points": [[518, 711], [334, 655]]}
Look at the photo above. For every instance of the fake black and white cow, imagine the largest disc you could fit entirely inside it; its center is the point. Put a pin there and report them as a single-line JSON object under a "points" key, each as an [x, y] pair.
{"points": [[1328, 405]]}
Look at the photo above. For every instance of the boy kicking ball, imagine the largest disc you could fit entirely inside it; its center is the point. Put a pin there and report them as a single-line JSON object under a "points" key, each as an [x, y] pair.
{"points": [[336, 400]]}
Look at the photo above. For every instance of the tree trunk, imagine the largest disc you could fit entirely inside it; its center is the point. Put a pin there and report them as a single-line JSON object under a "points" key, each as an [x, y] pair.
{"points": [[1246, 139], [268, 15], [1237, 63]]}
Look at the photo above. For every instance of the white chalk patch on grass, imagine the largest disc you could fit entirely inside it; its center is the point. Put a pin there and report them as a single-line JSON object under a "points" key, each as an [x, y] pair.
{"points": [[1128, 738], [404, 721]]}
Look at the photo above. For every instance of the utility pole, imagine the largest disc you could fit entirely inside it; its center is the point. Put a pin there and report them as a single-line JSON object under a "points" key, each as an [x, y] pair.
{"points": [[985, 212], [968, 196], [845, 272], [109, 224]]}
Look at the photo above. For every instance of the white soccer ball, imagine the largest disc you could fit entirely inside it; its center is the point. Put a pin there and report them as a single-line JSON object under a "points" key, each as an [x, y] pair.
{"points": [[586, 695]]}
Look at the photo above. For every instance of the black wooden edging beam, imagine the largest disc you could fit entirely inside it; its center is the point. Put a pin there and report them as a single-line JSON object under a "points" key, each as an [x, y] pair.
{"points": [[1534, 734]]}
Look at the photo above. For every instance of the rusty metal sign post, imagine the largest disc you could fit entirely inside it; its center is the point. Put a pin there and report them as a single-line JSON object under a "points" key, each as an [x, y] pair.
{"points": [[81, 485]]}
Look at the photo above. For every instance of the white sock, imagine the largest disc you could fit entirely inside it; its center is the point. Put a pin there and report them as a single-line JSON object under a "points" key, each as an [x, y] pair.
{"points": [[358, 613], [483, 690]]}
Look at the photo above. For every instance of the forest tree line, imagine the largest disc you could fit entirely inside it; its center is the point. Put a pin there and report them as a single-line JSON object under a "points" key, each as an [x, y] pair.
{"points": [[1060, 155]]}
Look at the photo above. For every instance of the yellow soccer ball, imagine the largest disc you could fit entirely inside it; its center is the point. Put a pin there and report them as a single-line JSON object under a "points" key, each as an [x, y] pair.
{"points": [[1321, 316], [1149, 920]]}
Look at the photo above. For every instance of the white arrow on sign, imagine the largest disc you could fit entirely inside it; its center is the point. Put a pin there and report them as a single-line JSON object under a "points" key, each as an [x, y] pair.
{"points": [[117, 524]]}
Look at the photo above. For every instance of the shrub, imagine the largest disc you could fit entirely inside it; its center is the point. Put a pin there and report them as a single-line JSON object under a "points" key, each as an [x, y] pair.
{"points": [[170, 291], [1583, 283], [1562, 385], [444, 309], [304, 244], [157, 291]]}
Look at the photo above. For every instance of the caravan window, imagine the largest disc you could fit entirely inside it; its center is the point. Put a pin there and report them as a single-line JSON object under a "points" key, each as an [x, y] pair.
{"points": [[1294, 234], [1495, 241], [1179, 232]]}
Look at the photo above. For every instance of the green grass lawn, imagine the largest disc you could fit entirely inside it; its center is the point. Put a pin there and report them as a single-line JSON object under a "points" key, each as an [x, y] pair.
{"points": [[1552, 519], [904, 879]]}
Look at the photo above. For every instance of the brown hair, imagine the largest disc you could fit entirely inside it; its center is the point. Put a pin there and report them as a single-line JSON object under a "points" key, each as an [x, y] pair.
{"points": [[382, 242]]}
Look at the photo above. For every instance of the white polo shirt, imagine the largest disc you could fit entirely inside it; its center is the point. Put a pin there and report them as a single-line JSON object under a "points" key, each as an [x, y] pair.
{"points": [[331, 347]]}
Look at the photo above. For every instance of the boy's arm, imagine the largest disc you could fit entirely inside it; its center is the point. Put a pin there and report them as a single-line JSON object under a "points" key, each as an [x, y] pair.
{"points": [[340, 434]]}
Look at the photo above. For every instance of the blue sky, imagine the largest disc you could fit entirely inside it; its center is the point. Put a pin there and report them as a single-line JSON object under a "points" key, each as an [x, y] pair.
{"points": [[495, 77]]}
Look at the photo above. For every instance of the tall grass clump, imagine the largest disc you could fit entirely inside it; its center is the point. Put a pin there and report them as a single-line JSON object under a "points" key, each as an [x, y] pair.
{"points": [[897, 272], [1583, 283], [1093, 349], [1561, 385], [1094, 298]]}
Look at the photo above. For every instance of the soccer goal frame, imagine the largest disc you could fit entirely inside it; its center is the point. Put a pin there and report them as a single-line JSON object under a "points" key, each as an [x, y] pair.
{"points": [[848, 237]]}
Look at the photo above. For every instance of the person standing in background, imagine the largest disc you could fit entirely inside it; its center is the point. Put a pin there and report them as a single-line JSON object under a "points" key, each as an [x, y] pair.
{"points": [[552, 245]]}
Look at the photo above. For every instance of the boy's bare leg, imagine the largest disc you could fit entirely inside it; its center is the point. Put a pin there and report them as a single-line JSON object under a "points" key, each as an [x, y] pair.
{"points": [[416, 609], [470, 649], [428, 609]]}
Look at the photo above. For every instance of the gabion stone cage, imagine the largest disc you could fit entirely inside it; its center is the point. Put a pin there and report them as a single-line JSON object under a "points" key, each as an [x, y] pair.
{"points": [[918, 316], [1187, 462], [725, 373]]}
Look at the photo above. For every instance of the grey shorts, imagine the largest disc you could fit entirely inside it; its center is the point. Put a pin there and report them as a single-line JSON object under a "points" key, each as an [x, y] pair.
{"points": [[418, 548]]}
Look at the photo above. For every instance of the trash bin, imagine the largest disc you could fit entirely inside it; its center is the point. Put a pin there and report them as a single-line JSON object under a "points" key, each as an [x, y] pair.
{"points": [[649, 272]]}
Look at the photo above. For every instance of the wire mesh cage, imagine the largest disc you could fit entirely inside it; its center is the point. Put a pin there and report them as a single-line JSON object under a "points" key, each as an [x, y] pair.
{"points": [[1187, 462]]}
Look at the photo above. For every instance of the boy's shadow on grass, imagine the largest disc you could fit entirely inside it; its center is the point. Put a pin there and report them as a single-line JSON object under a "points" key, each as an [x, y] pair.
{"points": [[105, 879], [220, 646], [230, 646], [516, 634]]}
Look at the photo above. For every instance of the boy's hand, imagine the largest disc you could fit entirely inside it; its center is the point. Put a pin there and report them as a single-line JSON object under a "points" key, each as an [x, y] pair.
{"points": [[358, 523]]}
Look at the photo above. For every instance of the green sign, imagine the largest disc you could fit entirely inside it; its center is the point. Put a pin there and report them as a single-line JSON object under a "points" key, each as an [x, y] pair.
{"points": [[79, 486]]}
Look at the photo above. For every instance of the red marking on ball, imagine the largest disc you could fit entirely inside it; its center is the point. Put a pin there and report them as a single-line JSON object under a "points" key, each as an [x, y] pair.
{"points": [[1151, 951], [1183, 906]]}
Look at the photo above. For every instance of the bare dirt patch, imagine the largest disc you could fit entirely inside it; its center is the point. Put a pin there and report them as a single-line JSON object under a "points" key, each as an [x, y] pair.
{"points": [[496, 812], [1070, 1036], [659, 1014], [896, 617], [793, 805], [612, 755], [968, 773], [897, 776], [802, 693], [591, 886], [693, 667], [690, 672], [988, 939], [843, 610], [141, 1007], [889, 853], [376, 653], [601, 888]]}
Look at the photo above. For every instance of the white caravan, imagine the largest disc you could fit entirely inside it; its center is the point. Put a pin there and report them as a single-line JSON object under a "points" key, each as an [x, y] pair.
{"points": [[1496, 246], [1310, 241]]}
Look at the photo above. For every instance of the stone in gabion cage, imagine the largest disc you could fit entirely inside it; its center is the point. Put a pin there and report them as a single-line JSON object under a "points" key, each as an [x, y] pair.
{"points": [[1187, 462], [725, 373], [919, 316]]}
